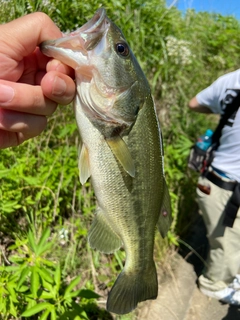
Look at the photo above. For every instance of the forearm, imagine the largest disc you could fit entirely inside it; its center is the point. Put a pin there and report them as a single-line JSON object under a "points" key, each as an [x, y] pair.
{"points": [[195, 106]]}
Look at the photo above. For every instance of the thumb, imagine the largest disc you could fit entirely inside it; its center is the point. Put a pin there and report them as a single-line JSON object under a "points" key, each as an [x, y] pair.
{"points": [[20, 37]]}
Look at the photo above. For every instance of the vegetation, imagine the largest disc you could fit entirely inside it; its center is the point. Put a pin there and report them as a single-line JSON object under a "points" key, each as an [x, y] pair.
{"points": [[47, 270]]}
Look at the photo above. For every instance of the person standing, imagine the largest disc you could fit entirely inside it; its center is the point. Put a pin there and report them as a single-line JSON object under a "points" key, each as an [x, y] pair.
{"points": [[218, 193]]}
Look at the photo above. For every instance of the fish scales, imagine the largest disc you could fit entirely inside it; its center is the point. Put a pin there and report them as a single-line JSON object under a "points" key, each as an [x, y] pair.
{"points": [[121, 151]]}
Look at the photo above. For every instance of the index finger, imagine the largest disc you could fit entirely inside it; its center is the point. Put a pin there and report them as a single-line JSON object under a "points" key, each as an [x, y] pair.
{"points": [[25, 33]]}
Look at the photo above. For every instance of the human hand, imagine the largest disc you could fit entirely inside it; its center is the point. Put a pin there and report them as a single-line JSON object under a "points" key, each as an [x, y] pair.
{"points": [[31, 84]]}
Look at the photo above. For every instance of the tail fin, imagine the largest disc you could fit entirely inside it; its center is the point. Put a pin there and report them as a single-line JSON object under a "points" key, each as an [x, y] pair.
{"points": [[130, 288]]}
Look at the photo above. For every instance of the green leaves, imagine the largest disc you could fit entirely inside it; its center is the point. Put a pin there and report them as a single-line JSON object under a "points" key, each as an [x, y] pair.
{"points": [[88, 294], [8, 297], [68, 291], [51, 291], [42, 246], [34, 281], [35, 285], [38, 308]]}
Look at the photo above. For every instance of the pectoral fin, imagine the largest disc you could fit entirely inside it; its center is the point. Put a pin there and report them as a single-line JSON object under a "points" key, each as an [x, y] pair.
{"points": [[83, 165], [121, 152], [165, 218], [102, 236]]}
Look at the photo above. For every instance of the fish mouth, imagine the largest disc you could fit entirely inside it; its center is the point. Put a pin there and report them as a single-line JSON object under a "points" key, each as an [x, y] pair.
{"points": [[76, 50], [72, 49]]}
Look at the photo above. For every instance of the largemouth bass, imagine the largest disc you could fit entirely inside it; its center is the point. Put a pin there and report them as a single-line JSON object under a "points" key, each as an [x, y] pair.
{"points": [[121, 151]]}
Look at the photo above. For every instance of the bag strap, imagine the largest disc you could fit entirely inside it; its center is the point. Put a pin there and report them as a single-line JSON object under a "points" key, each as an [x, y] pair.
{"points": [[229, 111], [232, 207]]}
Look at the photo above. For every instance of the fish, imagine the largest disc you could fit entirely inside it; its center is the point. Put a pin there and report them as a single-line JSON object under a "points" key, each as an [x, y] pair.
{"points": [[121, 151]]}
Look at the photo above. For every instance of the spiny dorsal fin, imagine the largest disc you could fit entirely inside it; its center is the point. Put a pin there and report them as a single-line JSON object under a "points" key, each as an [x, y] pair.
{"points": [[83, 165], [121, 152]]}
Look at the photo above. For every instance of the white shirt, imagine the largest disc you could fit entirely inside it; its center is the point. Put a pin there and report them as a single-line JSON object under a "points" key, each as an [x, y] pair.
{"points": [[216, 97]]}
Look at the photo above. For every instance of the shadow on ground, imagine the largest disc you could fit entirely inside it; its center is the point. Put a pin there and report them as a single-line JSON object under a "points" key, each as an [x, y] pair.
{"points": [[194, 246], [233, 313], [194, 250]]}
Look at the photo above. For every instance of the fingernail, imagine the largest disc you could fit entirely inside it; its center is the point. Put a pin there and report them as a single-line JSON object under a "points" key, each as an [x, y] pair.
{"points": [[54, 64], [6, 93], [59, 87]]}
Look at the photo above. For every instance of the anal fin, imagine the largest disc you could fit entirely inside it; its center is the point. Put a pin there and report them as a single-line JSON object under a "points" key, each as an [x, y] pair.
{"points": [[102, 236]]}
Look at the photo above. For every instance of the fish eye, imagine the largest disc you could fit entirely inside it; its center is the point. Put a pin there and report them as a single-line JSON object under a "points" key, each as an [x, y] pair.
{"points": [[122, 49]]}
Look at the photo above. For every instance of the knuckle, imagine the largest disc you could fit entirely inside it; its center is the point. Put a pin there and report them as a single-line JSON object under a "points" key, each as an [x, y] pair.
{"points": [[38, 99], [43, 17], [45, 106]]}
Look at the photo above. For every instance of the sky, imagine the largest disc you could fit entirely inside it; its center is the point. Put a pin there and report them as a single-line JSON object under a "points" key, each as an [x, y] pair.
{"points": [[224, 7]]}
